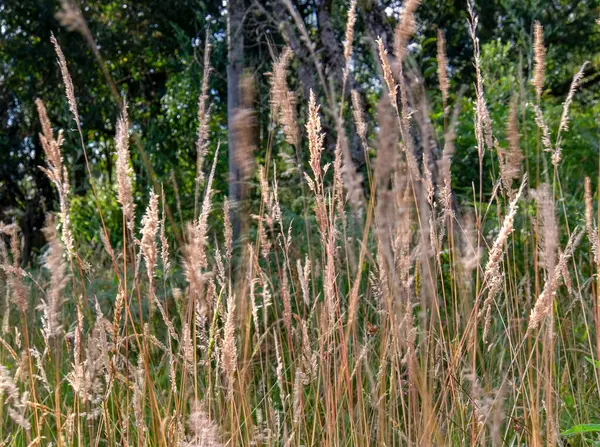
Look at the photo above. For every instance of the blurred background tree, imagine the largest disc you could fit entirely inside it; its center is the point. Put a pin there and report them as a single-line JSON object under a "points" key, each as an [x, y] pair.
{"points": [[153, 52]]}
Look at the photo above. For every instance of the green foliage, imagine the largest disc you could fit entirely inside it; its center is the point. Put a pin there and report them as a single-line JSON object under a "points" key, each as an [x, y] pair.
{"points": [[581, 429], [142, 45], [86, 219]]}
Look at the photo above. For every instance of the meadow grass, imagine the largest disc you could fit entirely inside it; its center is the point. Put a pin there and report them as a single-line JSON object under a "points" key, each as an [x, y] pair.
{"points": [[396, 312]]}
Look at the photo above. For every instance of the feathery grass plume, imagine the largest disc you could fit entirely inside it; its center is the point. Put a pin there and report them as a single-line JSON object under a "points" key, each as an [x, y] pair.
{"points": [[350, 22], [548, 228], [17, 403], [442, 69], [201, 226], [41, 372], [72, 19], [164, 243], [186, 347], [266, 197], [391, 178], [511, 158], [566, 276], [192, 266], [359, 119], [202, 133], [287, 300], [404, 320], [252, 281], [52, 304], [428, 177], [262, 434], [50, 145], [97, 362], [171, 359], [86, 376], [221, 277], [194, 252], [149, 232], [69, 89], [405, 115], [297, 389], [283, 100], [106, 244], [4, 261], [308, 359], [76, 377], [387, 73], [124, 170], [139, 386], [470, 255], [229, 351], [266, 296], [589, 218], [275, 207], [564, 119], [204, 432], [166, 320], [539, 57], [512, 131], [201, 320], [13, 271], [405, 29], [69, 427], [329, 279], [541, 123], [543, 305], [117, 312], [280, 378], [385, 162], [483, 124], [401, 243], [70, 16], [244, 129], [227, 229], [492, 276], [315, 146], [304, 277], [148, 248], [444, 164], [487, 409], [592, 231], [56, 172], [347, 178]]}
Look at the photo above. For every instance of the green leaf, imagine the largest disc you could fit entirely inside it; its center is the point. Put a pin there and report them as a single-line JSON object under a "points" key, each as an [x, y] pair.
{"points": [[596, 363], [429, 41], [581, 429]]}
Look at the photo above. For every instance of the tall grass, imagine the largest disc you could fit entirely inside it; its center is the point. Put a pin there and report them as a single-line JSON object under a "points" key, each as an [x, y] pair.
{"points": [[412, 316]]}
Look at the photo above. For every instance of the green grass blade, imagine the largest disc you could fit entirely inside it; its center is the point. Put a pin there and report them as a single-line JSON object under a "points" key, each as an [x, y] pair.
{"points": [[581, 429]]}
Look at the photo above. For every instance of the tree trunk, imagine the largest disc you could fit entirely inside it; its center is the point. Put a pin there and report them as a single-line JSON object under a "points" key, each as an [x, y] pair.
{"points": [[235, 64]]}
